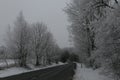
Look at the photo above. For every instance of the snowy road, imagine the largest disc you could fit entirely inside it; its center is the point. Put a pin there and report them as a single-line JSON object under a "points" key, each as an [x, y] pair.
{"points": [[89, 74], [62, 72]]}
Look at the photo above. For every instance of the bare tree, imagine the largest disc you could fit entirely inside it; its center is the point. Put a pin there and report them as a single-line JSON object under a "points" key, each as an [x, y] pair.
{"points": [[19, 40], [39, 31], [3, 55], [83, 14], [43, 44], [50, 49], [108, 44]]}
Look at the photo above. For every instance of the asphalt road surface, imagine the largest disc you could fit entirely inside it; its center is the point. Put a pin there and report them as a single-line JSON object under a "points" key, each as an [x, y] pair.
{"points": [[62, 72]]}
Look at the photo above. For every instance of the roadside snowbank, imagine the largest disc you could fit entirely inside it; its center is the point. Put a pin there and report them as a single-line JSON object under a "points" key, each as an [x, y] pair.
{"points": [[88, 74], [12, 71]]}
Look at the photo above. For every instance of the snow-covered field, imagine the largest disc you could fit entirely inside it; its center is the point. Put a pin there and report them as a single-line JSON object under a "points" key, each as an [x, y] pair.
{"points": [[4, 64], [18, 70], [89, 74]]}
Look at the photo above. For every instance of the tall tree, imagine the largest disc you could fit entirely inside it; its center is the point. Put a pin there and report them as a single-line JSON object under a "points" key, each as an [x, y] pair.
{"points": [[107, 42], [20, 40], [83, 15], [39, 31], [80, 14], [43, 44]]}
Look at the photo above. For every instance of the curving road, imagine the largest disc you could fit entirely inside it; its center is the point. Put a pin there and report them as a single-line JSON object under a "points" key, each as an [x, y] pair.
{"points": [[62, 72]]}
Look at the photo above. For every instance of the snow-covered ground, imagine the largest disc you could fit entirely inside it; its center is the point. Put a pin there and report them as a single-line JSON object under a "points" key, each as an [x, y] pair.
{"points": [[12, 71], [18, 70], [89, 74], [4, 64]]}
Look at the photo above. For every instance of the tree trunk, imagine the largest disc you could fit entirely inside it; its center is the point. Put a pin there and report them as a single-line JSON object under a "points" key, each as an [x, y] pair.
{"points": [[37, 60]]}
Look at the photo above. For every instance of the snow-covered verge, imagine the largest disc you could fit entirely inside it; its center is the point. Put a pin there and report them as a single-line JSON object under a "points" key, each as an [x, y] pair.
{"points": [[9, 63], [89, 74], [18, 70], [12, 71]]}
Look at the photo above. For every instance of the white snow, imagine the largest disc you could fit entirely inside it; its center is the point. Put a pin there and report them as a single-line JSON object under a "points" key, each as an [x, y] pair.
{"points": [[18, 70], [89, 74], [12, 71], [9, 62]]}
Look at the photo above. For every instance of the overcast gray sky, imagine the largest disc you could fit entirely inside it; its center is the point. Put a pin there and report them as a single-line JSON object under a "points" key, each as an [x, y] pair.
{"points": [[48, 11]]}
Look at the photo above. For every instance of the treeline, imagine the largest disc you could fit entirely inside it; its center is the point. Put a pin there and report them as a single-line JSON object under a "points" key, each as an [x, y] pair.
{"points": [[95, 31], [68, 55], [29, 44]]}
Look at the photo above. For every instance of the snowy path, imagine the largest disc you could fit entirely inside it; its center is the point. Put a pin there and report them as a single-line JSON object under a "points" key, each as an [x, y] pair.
{"points": [[88, 74]]}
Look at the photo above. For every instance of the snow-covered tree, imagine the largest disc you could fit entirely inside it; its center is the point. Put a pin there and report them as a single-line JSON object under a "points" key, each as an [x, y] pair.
{"points": [[39, 31], [43, 44], [49, 49], [19, 40], [108, 41], [83, 16], [3, 54]]}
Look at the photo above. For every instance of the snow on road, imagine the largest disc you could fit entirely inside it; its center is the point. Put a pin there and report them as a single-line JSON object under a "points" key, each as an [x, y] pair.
{"points": [[88, 74]]}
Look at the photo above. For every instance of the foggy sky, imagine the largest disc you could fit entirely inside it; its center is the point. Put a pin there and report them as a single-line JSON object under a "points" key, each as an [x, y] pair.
{"points": [[48, 11]]}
